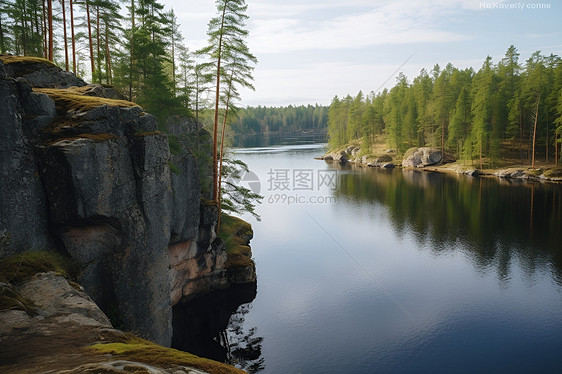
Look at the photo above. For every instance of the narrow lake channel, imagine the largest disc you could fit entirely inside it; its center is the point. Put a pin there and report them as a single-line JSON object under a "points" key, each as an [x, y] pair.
{"points": [[362, 270]]}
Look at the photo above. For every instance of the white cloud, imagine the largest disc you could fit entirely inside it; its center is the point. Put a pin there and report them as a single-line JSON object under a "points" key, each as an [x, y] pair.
{"points": [[399, 22]]}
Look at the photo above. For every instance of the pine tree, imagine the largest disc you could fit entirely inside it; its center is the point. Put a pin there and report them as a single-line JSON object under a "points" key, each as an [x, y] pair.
{"points": [[483, 89], [442, 101], [226, 34], [533, 93], [461, 120]]}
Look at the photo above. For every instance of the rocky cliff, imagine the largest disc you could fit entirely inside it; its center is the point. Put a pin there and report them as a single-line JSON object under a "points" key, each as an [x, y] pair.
{"points": [[89, 174]]}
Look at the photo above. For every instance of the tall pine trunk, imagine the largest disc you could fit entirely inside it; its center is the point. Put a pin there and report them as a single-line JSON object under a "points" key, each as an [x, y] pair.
{"points": [[74, 68], [556, 149], [216, 123], [132, 50], [50, 16], [219, 203], [93, 65], [547, 136], [107, 55], [64, 35], [535, 132], [98, 43], [2, 43], [45, 42], [23, 29]]}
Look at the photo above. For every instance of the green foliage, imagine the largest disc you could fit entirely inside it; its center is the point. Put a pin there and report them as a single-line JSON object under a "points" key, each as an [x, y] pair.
{"points": [[263, 120], [471, 114], [236, 198]]}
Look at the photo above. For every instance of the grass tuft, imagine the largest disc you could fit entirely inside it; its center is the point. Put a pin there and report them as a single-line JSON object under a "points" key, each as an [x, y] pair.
{"points": [[21, 267], [140, 350], [7, 59], [71, 100]]}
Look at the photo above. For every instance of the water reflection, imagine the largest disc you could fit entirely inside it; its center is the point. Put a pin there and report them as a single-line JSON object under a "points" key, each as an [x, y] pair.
{"points": [[212, 326], [495, 221]]}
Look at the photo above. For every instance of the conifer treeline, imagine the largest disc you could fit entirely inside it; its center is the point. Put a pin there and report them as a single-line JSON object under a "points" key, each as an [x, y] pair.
{"points": [[134, 45], [290, 119], [508, 109]]}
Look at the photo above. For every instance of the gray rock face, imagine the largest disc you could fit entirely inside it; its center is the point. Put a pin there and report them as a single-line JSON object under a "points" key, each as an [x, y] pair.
{"points": [[43, 74], [97, 182], [422, 157], [109, 202], [23, 218]]}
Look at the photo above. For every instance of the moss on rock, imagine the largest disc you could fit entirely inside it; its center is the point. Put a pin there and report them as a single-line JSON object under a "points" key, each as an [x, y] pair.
{"points": [[8, 59], [236, 234], [140, 350], [72, 100], [21, 267]]}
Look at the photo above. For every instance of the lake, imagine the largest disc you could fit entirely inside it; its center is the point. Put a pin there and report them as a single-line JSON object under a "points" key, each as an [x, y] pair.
{"points": [[363, 270]]}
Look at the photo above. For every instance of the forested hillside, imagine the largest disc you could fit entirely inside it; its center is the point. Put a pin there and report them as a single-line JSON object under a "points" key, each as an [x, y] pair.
{"points": [[263, 120], [508, 109]]}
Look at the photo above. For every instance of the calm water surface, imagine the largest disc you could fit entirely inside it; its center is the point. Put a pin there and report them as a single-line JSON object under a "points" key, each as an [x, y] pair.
{"points": [[401, 271]]}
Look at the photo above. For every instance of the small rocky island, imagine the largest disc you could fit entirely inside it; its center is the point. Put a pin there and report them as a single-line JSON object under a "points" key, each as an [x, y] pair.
{"points": [[101, 227]]}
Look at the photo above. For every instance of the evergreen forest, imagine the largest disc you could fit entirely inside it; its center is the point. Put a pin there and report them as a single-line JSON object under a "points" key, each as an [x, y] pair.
{"points": [[509, 109]]}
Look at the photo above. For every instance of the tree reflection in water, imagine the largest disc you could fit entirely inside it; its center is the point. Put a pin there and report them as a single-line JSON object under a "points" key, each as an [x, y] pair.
{"points": [[494, 221], [212, 326]]}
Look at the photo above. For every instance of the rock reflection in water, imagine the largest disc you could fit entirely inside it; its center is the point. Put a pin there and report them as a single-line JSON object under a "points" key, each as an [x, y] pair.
{"points": [[212, 326]]}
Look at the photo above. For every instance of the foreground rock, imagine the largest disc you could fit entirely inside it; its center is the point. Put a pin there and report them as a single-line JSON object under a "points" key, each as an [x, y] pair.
{"points": [[66, 332]]}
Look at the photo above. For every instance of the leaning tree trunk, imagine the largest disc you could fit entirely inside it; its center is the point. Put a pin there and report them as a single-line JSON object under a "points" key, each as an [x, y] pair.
{"points": [[219, 202], [535, 132]]}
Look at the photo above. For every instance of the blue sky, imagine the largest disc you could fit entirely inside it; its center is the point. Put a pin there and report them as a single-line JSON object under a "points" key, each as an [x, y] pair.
{"points": [[309, 51]]}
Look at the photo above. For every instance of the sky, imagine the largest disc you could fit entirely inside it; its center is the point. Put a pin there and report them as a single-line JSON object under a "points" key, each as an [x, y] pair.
{"points": [[312, 50]]}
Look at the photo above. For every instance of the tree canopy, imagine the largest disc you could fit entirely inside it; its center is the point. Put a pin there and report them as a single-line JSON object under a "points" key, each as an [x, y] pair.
{"points": [[506, 109]]}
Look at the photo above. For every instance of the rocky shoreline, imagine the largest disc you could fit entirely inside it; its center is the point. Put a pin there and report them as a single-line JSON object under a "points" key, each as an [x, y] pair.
{"points": [[432, 160]]}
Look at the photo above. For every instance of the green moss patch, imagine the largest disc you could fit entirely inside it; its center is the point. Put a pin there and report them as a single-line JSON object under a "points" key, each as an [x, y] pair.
{"points": [[23, 266], [553, 173], [236, 234], [25, 60], [71, 100], [140, 350]]}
